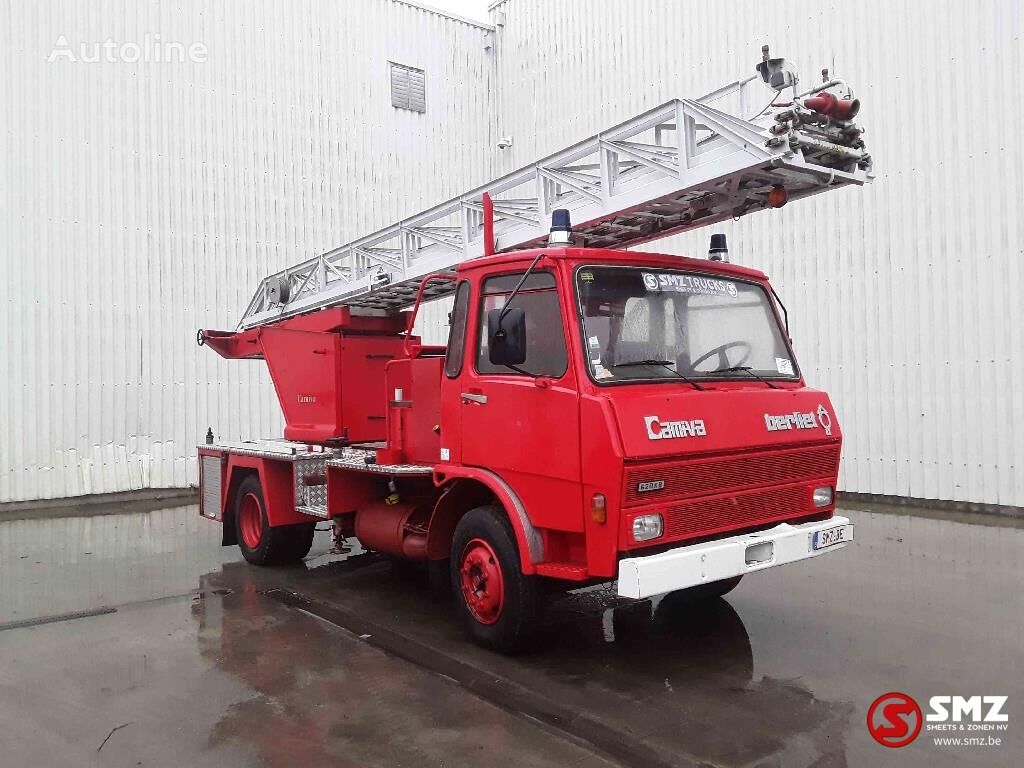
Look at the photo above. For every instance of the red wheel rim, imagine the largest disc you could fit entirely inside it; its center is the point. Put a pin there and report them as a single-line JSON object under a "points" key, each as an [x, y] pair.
{"points": [[483, 586], [250, 521]]}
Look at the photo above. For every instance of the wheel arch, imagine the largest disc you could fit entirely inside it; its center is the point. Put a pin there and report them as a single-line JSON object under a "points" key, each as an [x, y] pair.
{"points": [[229, 531], [277, 485], [467, 488]]}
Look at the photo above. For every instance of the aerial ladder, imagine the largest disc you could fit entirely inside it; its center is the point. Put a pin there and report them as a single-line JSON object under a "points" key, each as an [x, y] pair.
{"points": [[685, 164]]}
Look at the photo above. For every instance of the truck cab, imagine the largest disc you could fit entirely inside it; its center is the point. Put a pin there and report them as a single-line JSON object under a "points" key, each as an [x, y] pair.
{"points": [[653, 400]]}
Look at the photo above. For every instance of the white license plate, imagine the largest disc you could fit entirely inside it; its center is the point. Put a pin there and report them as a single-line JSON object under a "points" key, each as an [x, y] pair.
{"points": [[830, 537]]}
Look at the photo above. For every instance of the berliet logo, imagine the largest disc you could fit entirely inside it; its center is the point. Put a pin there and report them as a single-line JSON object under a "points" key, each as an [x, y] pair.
{"points": [[798, 420], [663, 430], [824, 419], [794, 420]]}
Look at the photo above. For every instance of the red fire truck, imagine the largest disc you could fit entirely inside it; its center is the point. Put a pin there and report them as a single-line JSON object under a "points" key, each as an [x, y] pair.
{"points": [[597, 414]]}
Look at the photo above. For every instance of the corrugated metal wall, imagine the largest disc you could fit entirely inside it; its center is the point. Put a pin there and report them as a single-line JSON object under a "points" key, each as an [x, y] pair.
{"points": [[144, 200], [904, 296]]}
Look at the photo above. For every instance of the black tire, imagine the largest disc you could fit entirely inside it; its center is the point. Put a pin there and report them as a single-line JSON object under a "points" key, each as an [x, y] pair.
{"points": [[707, 591], [511, 628], [301, 541], [260, 543], [404, 569], [439, 581]]}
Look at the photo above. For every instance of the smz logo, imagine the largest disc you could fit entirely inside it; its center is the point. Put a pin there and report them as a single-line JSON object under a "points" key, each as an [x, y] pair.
{"points": [[973, 707], [894, 719], [664, 430]]}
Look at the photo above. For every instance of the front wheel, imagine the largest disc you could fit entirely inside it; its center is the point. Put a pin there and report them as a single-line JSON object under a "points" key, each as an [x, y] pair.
{"points": [[498, 603], [260, 543]]}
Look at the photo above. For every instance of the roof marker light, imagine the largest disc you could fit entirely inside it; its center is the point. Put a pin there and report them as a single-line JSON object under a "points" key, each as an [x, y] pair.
{"points": [[718, 251], [561, 228]]}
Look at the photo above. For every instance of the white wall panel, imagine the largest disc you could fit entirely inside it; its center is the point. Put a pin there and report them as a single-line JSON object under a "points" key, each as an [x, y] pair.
{"points": [[142, 201], [903, 296]]}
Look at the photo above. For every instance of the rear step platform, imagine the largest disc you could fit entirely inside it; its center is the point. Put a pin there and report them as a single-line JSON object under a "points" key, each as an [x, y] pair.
{"points": [[364, 460]]}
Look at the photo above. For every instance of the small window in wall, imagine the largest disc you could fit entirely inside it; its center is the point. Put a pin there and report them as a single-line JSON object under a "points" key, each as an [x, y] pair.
{"points": [[408, 88]]}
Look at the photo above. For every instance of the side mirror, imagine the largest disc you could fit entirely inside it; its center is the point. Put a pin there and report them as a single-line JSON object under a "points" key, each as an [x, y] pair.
{"points": [[506, 342]]}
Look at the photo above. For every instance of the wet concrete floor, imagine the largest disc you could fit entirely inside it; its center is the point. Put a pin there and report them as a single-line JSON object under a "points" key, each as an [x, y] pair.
{"points": [[136, 640]]}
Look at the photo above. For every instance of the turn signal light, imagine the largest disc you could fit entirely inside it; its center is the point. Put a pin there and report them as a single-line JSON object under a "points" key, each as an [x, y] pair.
{"points": [[598, 508]]}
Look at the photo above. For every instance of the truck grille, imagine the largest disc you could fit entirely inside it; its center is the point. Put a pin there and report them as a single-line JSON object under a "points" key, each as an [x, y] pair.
{"points": [[705, 517], [724, 474]]}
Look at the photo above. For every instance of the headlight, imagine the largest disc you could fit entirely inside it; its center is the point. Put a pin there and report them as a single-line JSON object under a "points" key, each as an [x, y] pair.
{"points": [[647, 527], [823, 496]]}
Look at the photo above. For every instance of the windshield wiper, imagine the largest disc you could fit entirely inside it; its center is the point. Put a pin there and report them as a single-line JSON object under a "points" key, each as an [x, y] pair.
{"points": [[745, 369], [666, 364]]}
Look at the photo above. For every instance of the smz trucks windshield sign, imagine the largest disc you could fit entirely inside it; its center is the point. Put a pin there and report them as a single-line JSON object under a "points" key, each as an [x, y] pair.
{"points": [[706, 286]]}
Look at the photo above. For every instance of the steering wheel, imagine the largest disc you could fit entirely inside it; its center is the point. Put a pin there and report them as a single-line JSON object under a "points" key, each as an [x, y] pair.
{"points": [[723, 360]]}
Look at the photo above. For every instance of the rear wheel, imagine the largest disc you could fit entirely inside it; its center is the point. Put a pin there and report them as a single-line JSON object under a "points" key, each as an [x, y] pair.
{"points": [[498, 603], [260, 543]]}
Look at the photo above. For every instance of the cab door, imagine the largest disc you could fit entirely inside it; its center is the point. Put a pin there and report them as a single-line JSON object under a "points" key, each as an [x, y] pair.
{"points": [[524, 424]]}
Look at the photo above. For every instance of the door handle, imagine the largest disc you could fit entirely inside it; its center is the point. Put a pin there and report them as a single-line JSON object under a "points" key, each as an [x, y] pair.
{"points": [[470, 397]]}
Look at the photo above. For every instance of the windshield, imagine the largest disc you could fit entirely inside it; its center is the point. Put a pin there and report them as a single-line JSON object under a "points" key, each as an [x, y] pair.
{"points": [[659, 324]]}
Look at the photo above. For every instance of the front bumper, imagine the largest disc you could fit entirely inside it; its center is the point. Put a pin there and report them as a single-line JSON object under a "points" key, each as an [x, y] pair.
{"points": [[724, 558]]}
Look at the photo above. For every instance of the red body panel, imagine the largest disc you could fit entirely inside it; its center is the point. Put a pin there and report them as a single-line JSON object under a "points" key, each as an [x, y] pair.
{"points": [[414, 419], [530, 437], [733, 416], [347, 491], [327, 368]]}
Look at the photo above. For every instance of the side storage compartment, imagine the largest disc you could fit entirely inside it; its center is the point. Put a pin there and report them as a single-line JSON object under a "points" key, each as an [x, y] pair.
{"points": [[212, 466], [414, 411]]}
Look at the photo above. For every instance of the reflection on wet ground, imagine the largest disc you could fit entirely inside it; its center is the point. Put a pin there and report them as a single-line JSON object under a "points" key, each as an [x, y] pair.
{"points": [[346, 660], [58, 565]]}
